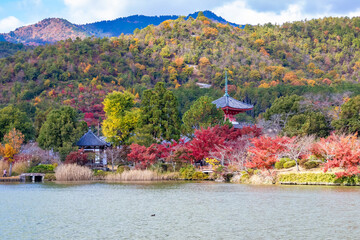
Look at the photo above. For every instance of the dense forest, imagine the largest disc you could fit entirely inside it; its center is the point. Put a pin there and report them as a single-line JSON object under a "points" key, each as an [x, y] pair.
{"points": [[264, 62]]}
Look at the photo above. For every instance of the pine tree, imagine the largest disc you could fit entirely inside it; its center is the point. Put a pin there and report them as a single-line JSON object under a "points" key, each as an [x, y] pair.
{"points": [[160, 118]]}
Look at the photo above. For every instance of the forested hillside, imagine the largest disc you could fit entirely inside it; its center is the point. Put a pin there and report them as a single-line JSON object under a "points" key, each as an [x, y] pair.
{"points": [[263, 62]]}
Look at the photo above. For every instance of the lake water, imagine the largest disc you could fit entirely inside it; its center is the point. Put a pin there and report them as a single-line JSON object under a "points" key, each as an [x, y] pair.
{"points": [[182, 211]]}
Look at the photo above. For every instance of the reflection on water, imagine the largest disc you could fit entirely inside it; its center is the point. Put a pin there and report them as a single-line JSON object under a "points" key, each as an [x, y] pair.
{"points": [[182, 210]]}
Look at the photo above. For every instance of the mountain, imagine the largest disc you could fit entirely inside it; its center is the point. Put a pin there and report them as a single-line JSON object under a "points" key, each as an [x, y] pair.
{"points": [[263, 62], [51, 30], [127, 25]]}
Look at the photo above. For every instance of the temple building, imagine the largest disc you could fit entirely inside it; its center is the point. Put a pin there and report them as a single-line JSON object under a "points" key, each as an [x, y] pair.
{"points": [[231, 106], [92, 143]]}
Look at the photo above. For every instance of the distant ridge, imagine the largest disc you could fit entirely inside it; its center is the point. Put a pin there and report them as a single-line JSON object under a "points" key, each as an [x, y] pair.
{"points": [[51, 30]]}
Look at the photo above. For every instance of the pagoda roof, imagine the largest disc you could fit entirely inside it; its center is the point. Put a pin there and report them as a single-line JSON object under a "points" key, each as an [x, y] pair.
{"points": [[227, 101], [90, 139]]}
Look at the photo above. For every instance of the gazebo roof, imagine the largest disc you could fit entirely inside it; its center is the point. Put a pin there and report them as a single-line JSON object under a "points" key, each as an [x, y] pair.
{"points": [[227, 101], [90, 139]]}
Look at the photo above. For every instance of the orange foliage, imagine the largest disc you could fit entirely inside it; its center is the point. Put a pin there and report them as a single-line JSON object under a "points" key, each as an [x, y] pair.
{"points": [[210, 32], [179, 61], [264, 52], [204, 61], [12, 144]]}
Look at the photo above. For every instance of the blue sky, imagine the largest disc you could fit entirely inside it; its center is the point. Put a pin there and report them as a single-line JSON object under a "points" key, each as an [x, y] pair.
{"points": [[16, 13]]}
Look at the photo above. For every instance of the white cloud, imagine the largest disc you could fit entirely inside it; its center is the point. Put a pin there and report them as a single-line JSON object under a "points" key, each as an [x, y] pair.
{"points": [[85, 11], [9, 23], [239, 12]]}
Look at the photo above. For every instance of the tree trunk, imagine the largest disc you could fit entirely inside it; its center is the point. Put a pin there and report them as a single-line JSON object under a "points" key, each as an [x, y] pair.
{"points": [[10, 169], [297, 165]]}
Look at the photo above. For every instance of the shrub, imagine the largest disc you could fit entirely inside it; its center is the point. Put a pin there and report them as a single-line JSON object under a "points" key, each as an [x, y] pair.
{"points": [[308, 178], [73, 172], [302, 162], [311, 164], [227, 176], [289, 164], [199, 176], [187, 172], [43, 168], [99, 173], [280, 163], [78, 157], [50, 177], [122, 168]]}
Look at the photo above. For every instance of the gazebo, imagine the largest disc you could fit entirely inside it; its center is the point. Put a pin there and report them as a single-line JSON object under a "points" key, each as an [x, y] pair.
{"points": [[231, 106], [92, 143]]}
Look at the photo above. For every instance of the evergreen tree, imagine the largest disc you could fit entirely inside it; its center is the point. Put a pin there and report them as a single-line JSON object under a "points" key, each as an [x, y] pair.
{"points": [[11, 117], [349, 120], [61, 131], [160, 116], [202, 114]]}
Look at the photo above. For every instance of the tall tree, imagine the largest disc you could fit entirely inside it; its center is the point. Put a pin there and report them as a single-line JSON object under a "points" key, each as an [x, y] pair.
{"points": [[121, 117], [11, 146], [202, 114], [349, 119], [61, 130], [160, 116], [11, 117]]}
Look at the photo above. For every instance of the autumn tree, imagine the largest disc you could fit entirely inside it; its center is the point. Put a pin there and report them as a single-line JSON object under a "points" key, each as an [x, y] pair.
{"points": [[203, 113], [265, 151], [11, 146], [121, 117]]}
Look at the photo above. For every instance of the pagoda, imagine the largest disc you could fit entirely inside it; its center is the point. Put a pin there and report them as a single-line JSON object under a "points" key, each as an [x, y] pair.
{"points": [[231, 106]]}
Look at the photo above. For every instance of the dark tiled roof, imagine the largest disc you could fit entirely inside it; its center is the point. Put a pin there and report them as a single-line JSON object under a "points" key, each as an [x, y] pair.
{"points": [[90, 139], [227, 101]]}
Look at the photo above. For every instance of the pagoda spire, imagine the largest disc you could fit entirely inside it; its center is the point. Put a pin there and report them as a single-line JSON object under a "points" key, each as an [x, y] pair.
{"points": [[226, 85]]}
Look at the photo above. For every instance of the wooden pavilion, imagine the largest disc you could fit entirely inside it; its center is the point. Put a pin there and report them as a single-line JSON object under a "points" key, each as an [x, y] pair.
{"points": [[92, 143]]}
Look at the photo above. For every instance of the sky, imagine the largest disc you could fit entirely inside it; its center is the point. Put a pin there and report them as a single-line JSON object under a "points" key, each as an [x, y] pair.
{"points": [[17, 13]]}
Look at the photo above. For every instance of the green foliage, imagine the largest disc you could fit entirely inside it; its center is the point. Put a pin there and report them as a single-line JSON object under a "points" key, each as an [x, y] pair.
{"points": [[202, 114], [280, 163], [99, 173], [289, 164], [61, 130], [189, 173], [121, 117], [122, 168], [160, 117], [349, 120], [309, 123], [311, 164], [11, 117], [43, 168], [50, 177], [308, 178], [284, 105]]}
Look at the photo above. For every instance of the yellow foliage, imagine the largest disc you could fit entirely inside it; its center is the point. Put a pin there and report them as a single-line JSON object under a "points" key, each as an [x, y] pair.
{"points": [[140, 66], [210, 32], [37, 100], [213, 162], [12, 144], [51, 93], [204, 61], [67, 102], [264, 85], [86, 70], [179, 61], [259, 42]]}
